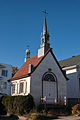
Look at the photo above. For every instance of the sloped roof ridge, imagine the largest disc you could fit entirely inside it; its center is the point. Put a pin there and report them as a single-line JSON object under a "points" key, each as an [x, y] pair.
{"points": [[23, 71], [69, 58], [74, 60]]}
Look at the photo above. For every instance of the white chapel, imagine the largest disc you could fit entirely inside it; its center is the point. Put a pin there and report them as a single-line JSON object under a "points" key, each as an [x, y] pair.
{"points": [[41, 75]]}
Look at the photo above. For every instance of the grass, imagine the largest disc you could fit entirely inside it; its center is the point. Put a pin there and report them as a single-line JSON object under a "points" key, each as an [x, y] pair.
{"points": [[47, 114], [41, 116]]}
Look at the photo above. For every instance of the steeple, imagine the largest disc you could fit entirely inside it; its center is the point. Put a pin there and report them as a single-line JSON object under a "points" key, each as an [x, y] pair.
{"points": [[45, 36], [45, 26], [45, 45]]}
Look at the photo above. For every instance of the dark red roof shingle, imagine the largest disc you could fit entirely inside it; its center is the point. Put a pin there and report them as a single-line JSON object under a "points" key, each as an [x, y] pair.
{"points": [[23, 71]]}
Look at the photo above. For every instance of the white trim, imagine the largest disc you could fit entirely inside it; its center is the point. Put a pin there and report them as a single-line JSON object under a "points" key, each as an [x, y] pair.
{"points": [[70, 67]]}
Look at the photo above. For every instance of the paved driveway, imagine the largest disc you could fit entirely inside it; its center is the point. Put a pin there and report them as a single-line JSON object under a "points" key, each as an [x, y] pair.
{"points": [[23, 118], [68, 118]]}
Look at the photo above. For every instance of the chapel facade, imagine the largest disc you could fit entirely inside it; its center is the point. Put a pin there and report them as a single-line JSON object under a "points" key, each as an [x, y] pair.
{"points": [[41, 75]]}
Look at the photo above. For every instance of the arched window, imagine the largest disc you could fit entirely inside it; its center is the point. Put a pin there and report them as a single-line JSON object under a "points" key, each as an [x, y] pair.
{"points": [[49, 76]]}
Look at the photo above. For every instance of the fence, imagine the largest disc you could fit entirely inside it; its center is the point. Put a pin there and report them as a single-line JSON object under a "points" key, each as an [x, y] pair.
{"points": [[61, 100]]}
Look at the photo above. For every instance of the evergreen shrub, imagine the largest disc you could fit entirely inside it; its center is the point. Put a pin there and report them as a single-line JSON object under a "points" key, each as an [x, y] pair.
{"points": [[40, 107], [2, 108], [18, 104]]}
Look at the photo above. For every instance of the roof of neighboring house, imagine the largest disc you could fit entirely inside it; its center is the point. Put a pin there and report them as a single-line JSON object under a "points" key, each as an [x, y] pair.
{"points": [[2, 66], [35, 61], [70, 61]]}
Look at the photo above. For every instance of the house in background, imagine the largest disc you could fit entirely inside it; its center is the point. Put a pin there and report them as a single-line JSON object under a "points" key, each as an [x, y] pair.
{"points": [[72, 69], [41, 75], [5, 76]]}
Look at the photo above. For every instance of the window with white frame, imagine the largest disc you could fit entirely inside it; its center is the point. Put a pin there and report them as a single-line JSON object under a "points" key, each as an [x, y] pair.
{"points": [[13, 88], [17, 88], [21, 88], [26, 88]]}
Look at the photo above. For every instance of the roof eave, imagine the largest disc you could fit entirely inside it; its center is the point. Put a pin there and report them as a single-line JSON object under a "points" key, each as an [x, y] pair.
{"points": [[16, 78], [59, 65]]}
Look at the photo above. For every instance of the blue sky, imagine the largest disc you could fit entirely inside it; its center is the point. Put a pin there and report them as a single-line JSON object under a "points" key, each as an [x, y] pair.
{"points": [[21, 23]]}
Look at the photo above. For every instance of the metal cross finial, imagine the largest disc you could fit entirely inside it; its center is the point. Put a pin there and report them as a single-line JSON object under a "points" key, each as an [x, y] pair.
{"points": [[45, 12], [27, 46]]}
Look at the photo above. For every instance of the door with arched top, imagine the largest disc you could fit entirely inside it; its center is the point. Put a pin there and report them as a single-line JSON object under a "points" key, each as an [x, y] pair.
{"points": [[49, 87]]}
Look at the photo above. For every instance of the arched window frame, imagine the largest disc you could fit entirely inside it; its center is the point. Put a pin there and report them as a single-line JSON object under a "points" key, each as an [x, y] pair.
{"points": [[46, 75]]}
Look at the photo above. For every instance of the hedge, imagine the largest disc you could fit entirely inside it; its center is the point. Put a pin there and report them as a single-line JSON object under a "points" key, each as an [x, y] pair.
{"points": [[18, 104], [2, 108]]}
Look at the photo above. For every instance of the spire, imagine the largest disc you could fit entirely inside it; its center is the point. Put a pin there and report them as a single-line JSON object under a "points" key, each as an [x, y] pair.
{"points": [[45, 45], [45, 26], [44, 35]]}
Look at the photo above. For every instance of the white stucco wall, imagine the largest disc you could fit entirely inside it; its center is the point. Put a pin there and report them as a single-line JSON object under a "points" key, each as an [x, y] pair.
{"points": [[26, 91], [4, 79], [36, 78]]}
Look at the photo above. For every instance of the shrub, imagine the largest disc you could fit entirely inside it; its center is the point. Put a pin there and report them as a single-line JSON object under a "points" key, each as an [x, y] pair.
{"points": [[18, 104], [40, 107], [7, 101], [2, 108], [76, 109]]}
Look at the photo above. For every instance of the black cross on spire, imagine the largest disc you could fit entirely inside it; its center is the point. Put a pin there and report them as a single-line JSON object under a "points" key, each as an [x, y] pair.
{"points": [[27, 46], [45, 12]]}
